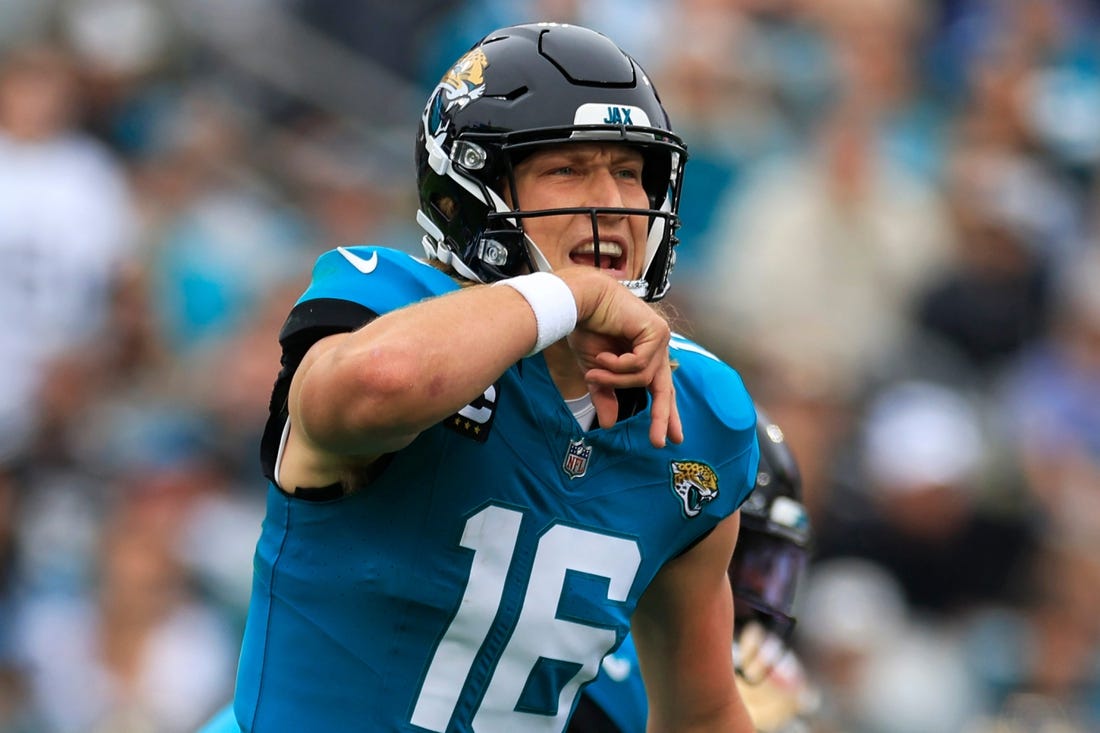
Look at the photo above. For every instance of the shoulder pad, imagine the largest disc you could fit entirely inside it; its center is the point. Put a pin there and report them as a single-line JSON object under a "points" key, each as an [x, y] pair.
{"points": [[377, 278]]}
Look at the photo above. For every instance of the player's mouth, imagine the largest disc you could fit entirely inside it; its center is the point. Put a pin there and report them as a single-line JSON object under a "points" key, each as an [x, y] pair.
{"points": [[611, 256]]}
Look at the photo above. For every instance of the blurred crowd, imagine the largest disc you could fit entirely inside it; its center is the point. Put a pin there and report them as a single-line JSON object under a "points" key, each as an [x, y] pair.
{"points": [[891, 228]]}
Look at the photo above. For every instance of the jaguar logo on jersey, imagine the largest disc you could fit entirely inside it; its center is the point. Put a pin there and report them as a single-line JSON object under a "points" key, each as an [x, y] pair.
{"points": [[464, 83], [695, 483], [476, 419], [575, 464]]}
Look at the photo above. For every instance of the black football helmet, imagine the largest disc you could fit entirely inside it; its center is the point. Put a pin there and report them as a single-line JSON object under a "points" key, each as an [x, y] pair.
{"points": [[774, 545], [518, 89]]}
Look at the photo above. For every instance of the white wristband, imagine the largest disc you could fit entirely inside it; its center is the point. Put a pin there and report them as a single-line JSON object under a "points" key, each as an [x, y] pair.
{"points": [[553, 303]]}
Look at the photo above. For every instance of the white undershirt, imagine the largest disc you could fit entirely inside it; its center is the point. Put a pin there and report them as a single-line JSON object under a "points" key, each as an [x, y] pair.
{"points": [[584, 412]]}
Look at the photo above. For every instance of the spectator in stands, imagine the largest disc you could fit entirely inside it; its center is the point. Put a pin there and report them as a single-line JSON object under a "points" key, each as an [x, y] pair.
{"points": [[65, 229]]}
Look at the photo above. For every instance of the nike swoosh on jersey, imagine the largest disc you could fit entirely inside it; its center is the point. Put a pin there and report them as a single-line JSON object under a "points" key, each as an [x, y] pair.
{"points": [[365, 266]]}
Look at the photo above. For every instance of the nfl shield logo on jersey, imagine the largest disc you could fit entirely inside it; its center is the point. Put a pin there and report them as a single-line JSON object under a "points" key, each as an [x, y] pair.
{"points": [[576, 458]]}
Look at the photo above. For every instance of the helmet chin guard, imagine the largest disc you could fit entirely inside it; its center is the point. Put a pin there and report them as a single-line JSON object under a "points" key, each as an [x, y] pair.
{"points": [[518, 90]]}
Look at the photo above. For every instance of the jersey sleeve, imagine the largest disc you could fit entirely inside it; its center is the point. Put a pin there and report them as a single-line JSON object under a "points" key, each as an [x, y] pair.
{"points": [[728, 421], [350, 287]]}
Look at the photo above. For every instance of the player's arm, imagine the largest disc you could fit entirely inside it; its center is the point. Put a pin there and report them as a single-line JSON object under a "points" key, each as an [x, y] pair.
{"points": [[683, 630], [359, 395]]}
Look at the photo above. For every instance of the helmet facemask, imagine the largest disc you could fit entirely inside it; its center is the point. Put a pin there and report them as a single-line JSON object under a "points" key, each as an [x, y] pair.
{"points": [[483, 166]]}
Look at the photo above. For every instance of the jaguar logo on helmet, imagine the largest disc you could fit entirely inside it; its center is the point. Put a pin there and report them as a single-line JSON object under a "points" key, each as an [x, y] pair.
{"points": [[695, 483], [462, 84]]}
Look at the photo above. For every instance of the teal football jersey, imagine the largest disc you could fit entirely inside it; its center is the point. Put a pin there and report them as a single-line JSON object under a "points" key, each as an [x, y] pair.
{"points": [[479, 578]]}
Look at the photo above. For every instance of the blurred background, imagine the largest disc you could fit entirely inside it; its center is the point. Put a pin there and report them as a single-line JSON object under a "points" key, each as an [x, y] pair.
{"points": [[891, 228]]}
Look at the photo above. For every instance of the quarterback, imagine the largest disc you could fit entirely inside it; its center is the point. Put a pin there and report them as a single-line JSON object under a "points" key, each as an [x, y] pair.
{"points": [[489, 465]]}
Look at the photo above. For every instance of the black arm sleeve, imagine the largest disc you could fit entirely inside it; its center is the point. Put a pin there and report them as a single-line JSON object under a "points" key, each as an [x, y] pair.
{"points": [[308, 323]]}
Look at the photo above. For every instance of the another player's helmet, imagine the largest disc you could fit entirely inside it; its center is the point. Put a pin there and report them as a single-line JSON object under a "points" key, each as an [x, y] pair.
{"points": [[774, 544], [517, 89]]}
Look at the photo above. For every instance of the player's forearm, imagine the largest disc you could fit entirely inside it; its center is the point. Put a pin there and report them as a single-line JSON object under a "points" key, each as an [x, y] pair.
{"points": [[382, 385], [683, 631], [691, 704], [730, 718], [411, 368]]}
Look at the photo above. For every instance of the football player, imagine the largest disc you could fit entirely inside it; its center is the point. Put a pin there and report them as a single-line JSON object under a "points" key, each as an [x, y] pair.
{"points": [[483, 468]]}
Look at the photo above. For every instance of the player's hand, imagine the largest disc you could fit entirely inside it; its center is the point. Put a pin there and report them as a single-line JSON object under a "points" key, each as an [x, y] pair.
{"points": [[756, 652], [622, 342], [783, 697]]}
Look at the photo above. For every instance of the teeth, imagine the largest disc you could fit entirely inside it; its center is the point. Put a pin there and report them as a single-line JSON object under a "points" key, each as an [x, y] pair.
{"points": [[607, 249]]}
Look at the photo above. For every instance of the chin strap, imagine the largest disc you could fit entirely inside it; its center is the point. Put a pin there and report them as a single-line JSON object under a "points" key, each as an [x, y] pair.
{"points": [[538, 259]]}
